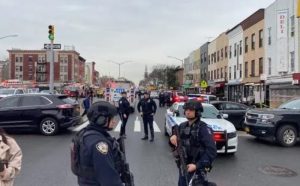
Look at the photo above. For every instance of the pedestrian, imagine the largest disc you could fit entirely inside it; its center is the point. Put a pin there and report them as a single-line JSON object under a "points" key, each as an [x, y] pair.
{"points": [[161, 99], [197, 140], [86, 103], [76, 94], [10, 159], [100, 158], [147, 108], [124, 110]]}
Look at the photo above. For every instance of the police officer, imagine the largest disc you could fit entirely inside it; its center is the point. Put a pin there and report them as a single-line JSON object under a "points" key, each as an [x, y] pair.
{"points": [[196, 137], [124, 110], [100, 155], [161, 99], [147, 108]]}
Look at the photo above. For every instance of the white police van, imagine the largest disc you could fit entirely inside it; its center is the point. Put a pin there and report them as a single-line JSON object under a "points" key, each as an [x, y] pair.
{"points": [[224, 135]]}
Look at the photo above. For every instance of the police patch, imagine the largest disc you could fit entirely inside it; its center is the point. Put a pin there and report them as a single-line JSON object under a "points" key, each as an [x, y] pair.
{"points": [[102, 147]]}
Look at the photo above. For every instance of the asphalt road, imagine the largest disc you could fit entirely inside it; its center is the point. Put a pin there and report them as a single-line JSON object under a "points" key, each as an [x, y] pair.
{"points": [[47, 159]]}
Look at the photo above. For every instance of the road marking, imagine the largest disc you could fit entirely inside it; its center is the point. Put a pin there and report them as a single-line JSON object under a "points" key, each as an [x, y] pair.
{"points": [[118, 127], [155, 127], [83, 125], [137, 125]]}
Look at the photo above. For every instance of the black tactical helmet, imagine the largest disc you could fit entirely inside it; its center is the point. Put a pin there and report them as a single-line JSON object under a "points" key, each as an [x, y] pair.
{"points": [[101, 108], [194, 105]]}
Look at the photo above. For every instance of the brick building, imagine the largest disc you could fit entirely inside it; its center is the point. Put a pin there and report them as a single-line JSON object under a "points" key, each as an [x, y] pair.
{"points": [[33, 65]]}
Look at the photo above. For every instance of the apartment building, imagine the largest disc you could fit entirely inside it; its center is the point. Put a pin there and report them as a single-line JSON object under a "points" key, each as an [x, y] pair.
{"points": [[204, 58], [281, 51], [253, 37]]}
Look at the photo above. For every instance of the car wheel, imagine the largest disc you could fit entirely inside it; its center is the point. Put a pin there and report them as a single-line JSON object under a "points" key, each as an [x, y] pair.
{"points": [[48, 126], [286, 136]]}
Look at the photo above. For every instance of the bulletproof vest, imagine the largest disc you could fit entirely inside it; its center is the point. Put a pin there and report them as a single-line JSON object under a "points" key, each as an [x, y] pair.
{"points": [[147, 106], [191, 141], [118, 155]]}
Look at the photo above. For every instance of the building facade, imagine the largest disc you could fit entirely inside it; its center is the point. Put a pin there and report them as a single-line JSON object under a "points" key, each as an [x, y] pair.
{"points": [[33, 65], [212, 59], [4, 70], [281, 51], [204, 66]]}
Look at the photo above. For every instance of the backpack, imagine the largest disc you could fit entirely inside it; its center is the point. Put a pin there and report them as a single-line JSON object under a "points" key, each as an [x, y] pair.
{"points": [[76, 143]]}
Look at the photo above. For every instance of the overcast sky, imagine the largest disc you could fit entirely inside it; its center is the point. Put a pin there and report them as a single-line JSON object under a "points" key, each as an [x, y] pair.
{"points": [[143, 31]]}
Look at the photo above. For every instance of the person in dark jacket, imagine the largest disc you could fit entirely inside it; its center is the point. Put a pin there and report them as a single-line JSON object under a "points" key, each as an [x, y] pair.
{"points": [[124, 110], [86, 103], [161, 99], [197, 140], [100, 155], [147, 108]]}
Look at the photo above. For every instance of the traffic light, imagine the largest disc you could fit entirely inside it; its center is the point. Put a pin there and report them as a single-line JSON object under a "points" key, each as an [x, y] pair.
{"points": [[51, 32]]}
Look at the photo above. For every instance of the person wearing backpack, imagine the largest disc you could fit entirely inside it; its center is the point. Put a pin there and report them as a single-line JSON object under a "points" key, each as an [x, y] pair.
{"points": [[10, 159], [96, 158], [86, 103]]}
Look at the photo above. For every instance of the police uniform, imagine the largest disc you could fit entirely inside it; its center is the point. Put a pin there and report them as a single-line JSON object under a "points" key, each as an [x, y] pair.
{"points": [[124, 108], [100, 155], [148, 108], [161, 99], [197, 140]]}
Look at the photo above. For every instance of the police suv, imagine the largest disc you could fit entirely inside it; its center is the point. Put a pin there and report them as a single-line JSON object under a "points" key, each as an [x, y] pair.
{"points": [[225, 134]]}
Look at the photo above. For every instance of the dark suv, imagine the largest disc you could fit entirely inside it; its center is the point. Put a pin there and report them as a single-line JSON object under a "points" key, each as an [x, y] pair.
{"points": [[46, 112], [281, 124]]}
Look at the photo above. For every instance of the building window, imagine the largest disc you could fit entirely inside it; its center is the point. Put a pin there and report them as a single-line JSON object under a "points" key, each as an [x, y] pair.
{"points": [[246, 69], [17, 59], [215, 74], [215, 57], [234, 49], [241, 48], [30, 58], [21, 69], [222, 54], [241, 71], [261, 66], [218, 56], [292, 61], [234, 72], [225, 70], [269, 36], [205, 57], [218, 73], [212, 75], [229, 72], [253, 68], [292, 26], [261, 38], [253, 41], [208, 59], [230, 52], [221, 72], [246, 44], [270, 62]]}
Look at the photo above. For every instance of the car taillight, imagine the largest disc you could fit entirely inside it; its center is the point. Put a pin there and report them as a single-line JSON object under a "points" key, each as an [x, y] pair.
{"points": [[176, 99], [200, 99], [219, 136], [64, 106]]}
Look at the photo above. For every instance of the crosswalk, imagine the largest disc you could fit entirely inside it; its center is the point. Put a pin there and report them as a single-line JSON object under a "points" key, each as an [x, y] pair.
{"points": [[137, 126]]}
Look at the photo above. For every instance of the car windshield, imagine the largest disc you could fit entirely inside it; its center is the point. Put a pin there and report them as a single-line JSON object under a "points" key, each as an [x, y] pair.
{"points": [[294, 104], [209, 112], [7, 91]]}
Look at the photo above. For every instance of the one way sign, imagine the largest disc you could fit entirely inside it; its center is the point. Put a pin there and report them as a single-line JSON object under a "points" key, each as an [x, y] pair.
{"points": [[55, 46]]}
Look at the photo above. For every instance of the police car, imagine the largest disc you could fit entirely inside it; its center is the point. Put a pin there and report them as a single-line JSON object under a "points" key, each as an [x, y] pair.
{"points": [[225, 134]]}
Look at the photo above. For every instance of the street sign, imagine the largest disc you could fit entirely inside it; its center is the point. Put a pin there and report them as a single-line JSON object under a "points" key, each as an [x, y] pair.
{"points": [[203, 84], [55, 46]]}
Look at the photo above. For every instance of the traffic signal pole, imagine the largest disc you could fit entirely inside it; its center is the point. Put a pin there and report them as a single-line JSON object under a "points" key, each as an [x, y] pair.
{"points": [[51, 82]]}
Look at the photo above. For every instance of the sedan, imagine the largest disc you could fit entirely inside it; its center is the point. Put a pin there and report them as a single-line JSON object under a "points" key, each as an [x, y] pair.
{"points": [[236, 112], [225, 134], [45, 112]]}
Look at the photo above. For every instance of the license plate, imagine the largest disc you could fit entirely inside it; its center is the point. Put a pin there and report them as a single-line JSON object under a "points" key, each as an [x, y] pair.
{"points": [[247, 129]]}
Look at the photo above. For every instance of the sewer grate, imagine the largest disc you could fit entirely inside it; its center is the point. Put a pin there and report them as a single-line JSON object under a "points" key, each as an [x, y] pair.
{"points": [[277, 171]]}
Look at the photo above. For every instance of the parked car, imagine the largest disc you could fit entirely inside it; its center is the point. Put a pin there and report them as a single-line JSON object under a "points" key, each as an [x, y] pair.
{"points": [[281, 124], [236, 112], [4, 92], [48, 92], [224, 131], [46, 112], [204, 98], [178, 97]]}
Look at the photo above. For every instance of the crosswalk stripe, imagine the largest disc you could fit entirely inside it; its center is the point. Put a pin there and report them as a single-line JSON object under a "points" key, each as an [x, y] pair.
{"points": [[118, 127], [137, 125], [155, 127], [83, 125]]}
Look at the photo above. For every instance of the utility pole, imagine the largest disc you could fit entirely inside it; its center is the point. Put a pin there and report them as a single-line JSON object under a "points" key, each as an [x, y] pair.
{"points": [[51, 38]]}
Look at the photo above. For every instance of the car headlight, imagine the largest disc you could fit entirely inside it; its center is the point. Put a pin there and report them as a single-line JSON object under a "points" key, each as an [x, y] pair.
{"points": [[266, 116]]}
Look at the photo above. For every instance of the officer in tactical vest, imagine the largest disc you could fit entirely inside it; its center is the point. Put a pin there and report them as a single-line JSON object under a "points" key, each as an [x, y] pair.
{"points": [[196, 139], [124, 110], [100, 155]]}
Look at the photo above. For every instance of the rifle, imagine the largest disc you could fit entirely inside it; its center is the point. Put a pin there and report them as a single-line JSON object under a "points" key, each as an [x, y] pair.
{"points": [[181, 152], [126, 175]]}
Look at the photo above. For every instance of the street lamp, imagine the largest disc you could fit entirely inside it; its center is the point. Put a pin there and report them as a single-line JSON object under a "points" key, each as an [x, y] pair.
{"points": [[176, 59], [14, 35], [117, 63]]}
